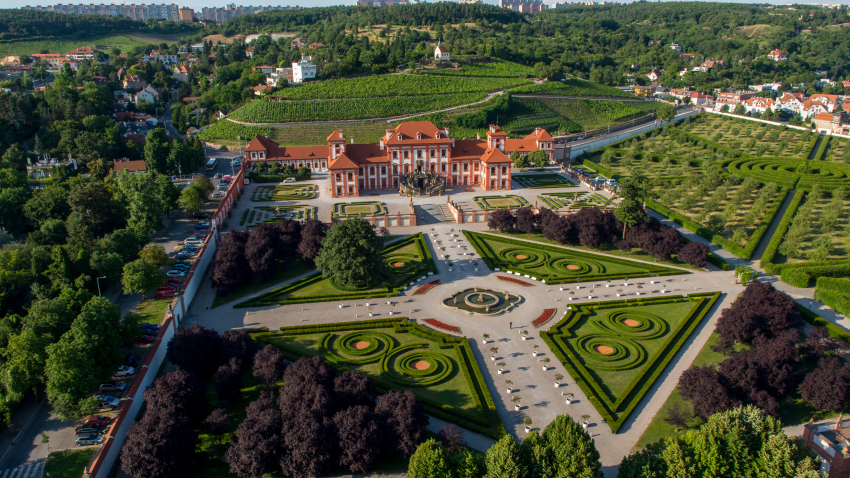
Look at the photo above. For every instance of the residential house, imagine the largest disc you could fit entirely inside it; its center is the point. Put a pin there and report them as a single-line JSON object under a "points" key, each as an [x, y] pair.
{"points": [[181, 73], [249, 52], [830, 101], [680, 93], [766, 87], [45, 169], [197, 47], [676, 46], [654, 75], [790, 103], [190, 99], [132, 167], [260, 90], [811, 109], [687, 57], [17, 70], [220, 114], [845, 84], [53, 59], [134, 82], [441, 53], [265, 69], [82, 54], [701, 99], [732, 99], [121, 94], [316, 45], [831, 442], [153, 91], [303, 70], [168, 61], [183, 50], [411, 147], [191, 59], [145, 96], [777, 55], [298, 43], [825, 82], [12, 60], [274, 79], [759, 104], [99, 80], [708, 64]]}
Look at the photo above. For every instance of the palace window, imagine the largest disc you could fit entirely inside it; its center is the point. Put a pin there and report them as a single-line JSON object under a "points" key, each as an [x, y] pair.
{"points": [[338, 177], [493, 170], [444, 167], [454, 168], [360, 172], [371, 170], [383, 170], [443, 153], [395, 154], [476, 166], [253, 155], [405, 155], [419, 155], [406, 168], [465, 167], [504, 170], [395, 169], [350, 177], [433, 153]]}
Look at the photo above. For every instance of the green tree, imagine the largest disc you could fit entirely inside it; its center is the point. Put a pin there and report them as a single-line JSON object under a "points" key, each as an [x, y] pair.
{"points": [[634, 191], [506, 459], [665, 112], [140, 277], [739, 109], [14, 158], [203, 185], [48, 203], [539, 158], [573, 451], [190, 200], [157, 149], [25, 356], [520, 160], [144, 200], [429, 461], [351, 255], [155, 254]]}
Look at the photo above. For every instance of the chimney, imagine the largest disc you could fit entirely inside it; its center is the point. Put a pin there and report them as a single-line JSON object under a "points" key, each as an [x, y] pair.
{"points": [[477, 135], [382, 144], [340, 134], [352, 140], [453, 141]]}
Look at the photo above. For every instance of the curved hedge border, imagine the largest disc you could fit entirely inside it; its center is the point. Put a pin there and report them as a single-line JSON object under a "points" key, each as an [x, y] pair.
{"points": [[481, 201], [616, 412], [834, 293], [486, 419]]}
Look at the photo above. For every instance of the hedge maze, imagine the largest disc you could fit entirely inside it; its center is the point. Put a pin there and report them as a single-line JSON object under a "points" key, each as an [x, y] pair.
{"points": [[285, 192], [406, 260], [273, 214], [439, 368], [576, 200], [556, 264], [615, 350], [500, 202], [361, 208], [542, 181]]}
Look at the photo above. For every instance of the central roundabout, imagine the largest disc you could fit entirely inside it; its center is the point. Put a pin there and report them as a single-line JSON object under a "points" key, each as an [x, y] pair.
{"points": [[477, 301]]}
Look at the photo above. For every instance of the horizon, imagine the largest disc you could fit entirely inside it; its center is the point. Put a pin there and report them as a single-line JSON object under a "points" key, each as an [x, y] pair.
{"points": [[15, 4]]}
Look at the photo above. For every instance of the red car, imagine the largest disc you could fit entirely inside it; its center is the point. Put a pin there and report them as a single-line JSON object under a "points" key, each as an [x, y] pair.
{"points": [[144, 339], [96, 420], [174, 280], [167, 287], [162, 294]]}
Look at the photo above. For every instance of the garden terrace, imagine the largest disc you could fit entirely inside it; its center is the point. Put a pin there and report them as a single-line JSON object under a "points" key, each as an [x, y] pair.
{"points": [[752, 138], [406, 260], [542, 181], [500, 202], [272, 214], [397, 354], [615, 350], [557, 264], [559, 200], [285, 192], [377, 86], [361, 208]]}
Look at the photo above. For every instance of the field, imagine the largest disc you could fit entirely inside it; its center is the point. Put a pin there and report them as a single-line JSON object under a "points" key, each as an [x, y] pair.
{"points": [[500, 202], [588, 115], [440, 369], [229, 132], [557, 264], [397, 85], [261, 111], [284, 192], [615, 350], [573, 87], [125, 43], [406, 261], [153, 310]]}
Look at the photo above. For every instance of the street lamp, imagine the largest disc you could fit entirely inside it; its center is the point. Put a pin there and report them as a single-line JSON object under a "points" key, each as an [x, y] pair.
{"points": [[98, 285]]}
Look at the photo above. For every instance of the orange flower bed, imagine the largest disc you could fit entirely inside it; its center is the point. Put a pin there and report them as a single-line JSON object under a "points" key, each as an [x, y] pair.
{"points": [[543, 318], [436, 323], [515, 281], [425, 288]]}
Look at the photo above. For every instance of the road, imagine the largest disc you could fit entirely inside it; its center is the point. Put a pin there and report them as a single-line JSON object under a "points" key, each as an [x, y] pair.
{"points": [[166, 120]]}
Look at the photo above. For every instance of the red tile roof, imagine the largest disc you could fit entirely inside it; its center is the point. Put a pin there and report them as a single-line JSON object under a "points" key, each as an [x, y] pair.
{"points": [[468, 149], [366, 153], [493, 155], [131, 166], [342, 162], [409, 130], [261, 143]]}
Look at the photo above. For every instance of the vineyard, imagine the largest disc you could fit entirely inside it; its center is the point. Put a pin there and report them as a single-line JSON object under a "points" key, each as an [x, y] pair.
{"points": [[260, 111], [593, 114], [573, 87], [225, 130], [397, 85], [487, 69]]}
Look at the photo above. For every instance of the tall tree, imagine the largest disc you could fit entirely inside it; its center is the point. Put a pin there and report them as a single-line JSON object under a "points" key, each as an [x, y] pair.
{"points": [[406, 421], [160, 445], [634, 191], [197, 350], [141, 277], [351, 255], [429, 461], [505, 459]]}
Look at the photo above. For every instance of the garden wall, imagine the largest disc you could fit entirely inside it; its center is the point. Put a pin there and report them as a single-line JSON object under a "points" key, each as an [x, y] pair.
{"points": [[759, 120], [578, 150], [386, 220], [104, 459]]}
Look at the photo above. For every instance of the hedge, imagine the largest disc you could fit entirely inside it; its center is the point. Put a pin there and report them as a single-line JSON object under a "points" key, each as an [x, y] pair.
{"points": [[632, 395], [834, 293], [812, 143], [743, 252], [779, 234], [277, 178], [244, 215], [822, 149], [472, 374], [795, 277], [814, 319], [600, 169]]}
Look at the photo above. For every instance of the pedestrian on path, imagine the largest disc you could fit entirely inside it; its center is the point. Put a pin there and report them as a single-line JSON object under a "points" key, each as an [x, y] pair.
{"points": [[511, 324]]}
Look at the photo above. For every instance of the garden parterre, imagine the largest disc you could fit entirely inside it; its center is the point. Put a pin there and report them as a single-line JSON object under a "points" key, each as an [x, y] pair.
{"points": [[440, 369], [360, 208], [615, 350], [284, 192], [543, 181], [509, 201], [556, 264]]}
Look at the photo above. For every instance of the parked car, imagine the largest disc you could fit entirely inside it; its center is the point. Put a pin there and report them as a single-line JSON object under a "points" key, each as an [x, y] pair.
{"points": [[217, 176], [200, 215], [218, 194], [612, 182], [192, 240], [108, 401], [236, 162], [113, 387], [600, 179], [183, 262], [289, 180], [148, 325], [131, 361], [191, 248], [163, 295], [87, 429], [174, 280], [124, 371], [184, 255], [100, 420], [227, 177], [89, 439], [144, 339]]}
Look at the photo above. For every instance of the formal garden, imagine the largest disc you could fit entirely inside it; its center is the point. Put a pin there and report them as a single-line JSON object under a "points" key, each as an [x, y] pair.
{"points": [[401, 263], [397, 354], [542, 181], [753, 138], [615, 350], [509, 201], [285, 192], [554, 264], [576, 200], [271, 214], [359, 208]]}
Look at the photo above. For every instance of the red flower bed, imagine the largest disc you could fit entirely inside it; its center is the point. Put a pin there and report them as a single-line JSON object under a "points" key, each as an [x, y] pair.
{"points": [[544, 317], [515, 281], [436, 323], [425, 288]]}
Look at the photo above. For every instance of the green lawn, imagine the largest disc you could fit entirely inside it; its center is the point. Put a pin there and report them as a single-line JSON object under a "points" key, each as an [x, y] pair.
{"points": [[406, 261], [389, 350], [359, 208], [615, 350], [540, 181], [284, 192], [557, 264], [125, 42], [153, 310], [500, 202], [68, 463], [283, 274]]}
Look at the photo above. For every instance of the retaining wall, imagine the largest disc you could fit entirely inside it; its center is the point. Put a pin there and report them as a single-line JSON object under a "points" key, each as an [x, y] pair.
{"points": [[759, 120], [578, 149]]}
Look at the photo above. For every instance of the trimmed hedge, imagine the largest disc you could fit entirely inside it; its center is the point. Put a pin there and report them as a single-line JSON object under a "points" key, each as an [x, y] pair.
{"points": [[617, 412], [815, 319], [795, 277], [822, 149], [834, 293], [779, 234], [600, 169], [745, 252], [483, 423], [277, 178]]}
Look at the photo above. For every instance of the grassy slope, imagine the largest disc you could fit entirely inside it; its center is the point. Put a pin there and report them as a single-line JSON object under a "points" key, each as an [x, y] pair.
{"points": [[125, 42], [68, 463]]}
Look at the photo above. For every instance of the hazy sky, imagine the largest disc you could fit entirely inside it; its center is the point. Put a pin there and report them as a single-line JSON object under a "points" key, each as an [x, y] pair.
{"points": [[303, 3]]}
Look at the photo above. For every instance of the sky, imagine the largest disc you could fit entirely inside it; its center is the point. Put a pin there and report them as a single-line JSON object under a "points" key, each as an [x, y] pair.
{"points": [[303, 3]]}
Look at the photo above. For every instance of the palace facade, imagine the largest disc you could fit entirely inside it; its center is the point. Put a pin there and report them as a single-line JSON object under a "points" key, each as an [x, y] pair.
{"points": [[411, 147]]}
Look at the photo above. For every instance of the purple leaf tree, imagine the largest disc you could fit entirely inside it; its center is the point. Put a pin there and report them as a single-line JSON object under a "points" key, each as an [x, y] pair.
{"points": [[269, 365], [228, 381], [361, 435], [197, 350], [405, 420]]}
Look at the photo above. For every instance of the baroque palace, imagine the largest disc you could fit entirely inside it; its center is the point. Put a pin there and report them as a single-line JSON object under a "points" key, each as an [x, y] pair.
{"points": [[407, 156]]}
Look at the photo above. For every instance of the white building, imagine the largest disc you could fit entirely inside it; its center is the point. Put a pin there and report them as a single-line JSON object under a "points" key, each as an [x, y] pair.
{"points": [[145, 96], [676, 46], [441, 53], [303, 70]]}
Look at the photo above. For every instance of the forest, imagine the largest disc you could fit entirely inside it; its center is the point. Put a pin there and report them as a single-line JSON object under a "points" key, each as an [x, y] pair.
{"points": [[29, 25]]}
